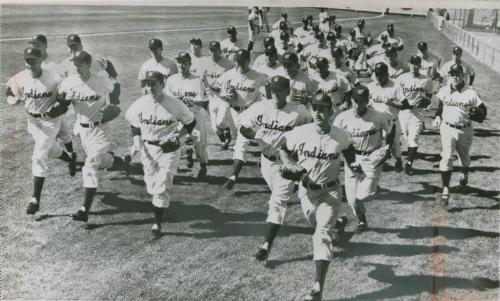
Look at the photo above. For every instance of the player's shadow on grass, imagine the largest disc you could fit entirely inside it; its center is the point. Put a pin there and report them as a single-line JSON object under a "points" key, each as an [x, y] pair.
{"points": [[217, 162], [402, 197], [274, 263], [411, 285], [216, 180], [355, 249], [450, 233], [486, 133]]}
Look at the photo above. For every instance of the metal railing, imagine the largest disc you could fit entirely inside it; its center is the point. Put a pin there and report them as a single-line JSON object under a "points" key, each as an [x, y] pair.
{"points": [[482, 51]]}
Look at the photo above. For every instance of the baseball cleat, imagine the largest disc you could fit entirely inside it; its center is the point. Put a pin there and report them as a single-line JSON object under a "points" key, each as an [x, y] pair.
{"points": [[341, 223], [398, 166], [463, 181], [445, 197], [314, 295], [81, 216], [127, 159], [202, 172], [224, 145], [72, 164], [156, 230], [262, 254], [362, 227], [409, 169], [229, 184], [33, 206]]}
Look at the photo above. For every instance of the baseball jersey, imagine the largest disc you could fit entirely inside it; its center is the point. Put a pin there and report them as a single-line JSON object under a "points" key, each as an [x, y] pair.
{"points": [[375, 50], [413, 88], [189, 90], [366, 131], [158, 120], [430, 64], [38, 94], [325, 27], [265, 116], [212, 70], [302, 33], [267, 70], [322, 16], [50, 64], [276, 24], [381, 97], [395, 69], [468, 71], [300, 85], [318, 153], [246, 85], [345, 44], [456, 104], [394, 40], [335, 85], [197, 64], [345, 71], [308, 40], [88, 97], [98, 65], [166, 66], [229, 48]]}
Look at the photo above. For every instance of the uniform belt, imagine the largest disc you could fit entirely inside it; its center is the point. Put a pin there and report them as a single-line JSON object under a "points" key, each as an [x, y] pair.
{"points": [[36, 115], [458, 126], [239, 108], [363, 153], [90, 124], [270, 157], [153, 142], [314, 186]]}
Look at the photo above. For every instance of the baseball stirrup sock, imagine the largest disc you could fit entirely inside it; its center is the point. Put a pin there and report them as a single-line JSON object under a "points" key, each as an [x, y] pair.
{"points": [[65, 156], [37, 187], [88, 197], [69, 146]]}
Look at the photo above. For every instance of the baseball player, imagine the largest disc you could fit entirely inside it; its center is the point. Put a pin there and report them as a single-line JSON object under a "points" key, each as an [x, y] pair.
{"points": [[430, 67], [300, 84], [267, 122], [263, 11], [272, 62], [288, 43], [155, 118], [304, 30], [231, 45], [37, 89], [390, 58], [284, 18], [378, 49], [334, 84], [197, 58], [254, 21], [362, 41], [309, 39], [323, 14], [312, 52], [340, 66], [391, 37], [342, 41], [454, 116], [367, 128], [157, 62], [327, 25], [318, 147], [262, 58], [239, 87], [190, 89], [417, 91], [91, 95], [385, 97], [212, 68], [457, 59]]}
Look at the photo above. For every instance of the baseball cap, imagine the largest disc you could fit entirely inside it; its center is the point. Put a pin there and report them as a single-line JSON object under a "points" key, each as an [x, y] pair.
{"points": [[381, 68], [352, 31], [268, 41], [155, 44], [270, 50], [73, 39], [38, 38], [457, 50], [196, 41], [290, 58], [321, 61], [279, 82], [337, 51], [361, 22], [415, 60], [360, 92], [285, 15], [153, 76], [242, 55], [338, 27], [31, 52], [283, 25], [183, 57], [331, 36], [284, 36], [305, 20], [391, 50], [319, 35], [82, 57], [390, 26], [321, 99], [310, 17], [456, 69], [231, 29], [384, 37], [214, 45], [422, 46]]}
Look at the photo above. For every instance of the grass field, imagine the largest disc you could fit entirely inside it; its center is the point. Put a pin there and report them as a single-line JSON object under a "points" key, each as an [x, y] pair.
{"points": [[414, 250]]}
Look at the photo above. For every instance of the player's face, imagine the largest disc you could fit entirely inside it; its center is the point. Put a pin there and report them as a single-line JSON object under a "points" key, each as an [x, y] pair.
{"points": [[153, 87], [457, 57], [292, 69], [323, 69], [457, 78], [184, 66], [321, 113], [243, 66], [280, 97], [360, 106], [382, 77], [271, 60], [33, 64], [415, 68], [82, 68], [74, 47], [39, 45], [196, 49], [216, 53], [155, 51], [232, 37]]}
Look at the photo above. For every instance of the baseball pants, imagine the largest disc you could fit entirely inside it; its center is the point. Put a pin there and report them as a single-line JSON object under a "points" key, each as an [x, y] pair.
{"points": [[452, 139], [242, 143], [321, 208], [396, 145], [411, 126], [219, 111], [44, 134], [159, 171], [66, 132], [96, 145], [361, 188], [281, 190], [200, 134]]}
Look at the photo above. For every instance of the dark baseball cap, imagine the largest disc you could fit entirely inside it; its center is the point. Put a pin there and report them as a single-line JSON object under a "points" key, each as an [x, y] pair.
{"points": [[321, 61], [284, 15], [283, 25], [331, 36], [381, 68], [268, 41], [338, 27], [415, 60], [319, 35], [242, 55], [290, 58], [456, 69], [38, 38], [384, 37], [284, 36], [196, 41], [231, 29], [155, 44], [391, 50], [310, 17], [153, 76], [352, 31], [360, 92], [214, 45], [270, 51], [361, 21], [82, 57], [337, 51], [279, 82], [390, 26], [183, 57], [422, 46], [73, 39], [457, 50], [321, 99], [31, 52]]}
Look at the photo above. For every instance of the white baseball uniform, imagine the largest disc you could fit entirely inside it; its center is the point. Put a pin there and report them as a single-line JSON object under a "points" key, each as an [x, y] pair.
{"points": [[98, 65], [166, 66], [158, 121], [313, 52], [335, 85], [395, 68], [300, 85], [270, 125], [229, 48], [320, 155], [345, 71], [468, 71], [254, 19], [197, 64], [395, 41]]}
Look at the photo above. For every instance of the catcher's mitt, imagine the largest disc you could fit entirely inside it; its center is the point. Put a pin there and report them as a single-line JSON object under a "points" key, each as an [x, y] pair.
{"points": [[110, 112], [170, 144], [477, 114], [292, 171]]}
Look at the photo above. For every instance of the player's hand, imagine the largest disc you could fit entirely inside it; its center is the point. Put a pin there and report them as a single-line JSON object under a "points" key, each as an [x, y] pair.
{"points": [[260, 133], [437, 122]]}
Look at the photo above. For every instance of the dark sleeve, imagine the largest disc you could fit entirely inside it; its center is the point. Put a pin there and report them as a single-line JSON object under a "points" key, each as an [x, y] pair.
{"points": [[471, 80], [189, 127], [135, 131], [110, 69], [349, 154], [9, 92], [247, 132], [390, 137], [439, 109]]}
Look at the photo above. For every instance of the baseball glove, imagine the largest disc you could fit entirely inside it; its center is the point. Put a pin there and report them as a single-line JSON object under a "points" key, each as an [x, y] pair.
{"points": [[477, 114], [110, 112], [170, 144], [292, 171]]}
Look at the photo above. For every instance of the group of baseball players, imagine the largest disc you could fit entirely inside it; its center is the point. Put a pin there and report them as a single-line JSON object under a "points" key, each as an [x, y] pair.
{"points": [[314, 102]]}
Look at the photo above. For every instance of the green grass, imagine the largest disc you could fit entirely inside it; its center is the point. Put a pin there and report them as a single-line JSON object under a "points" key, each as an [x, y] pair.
{"points": [[414, 251]]}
